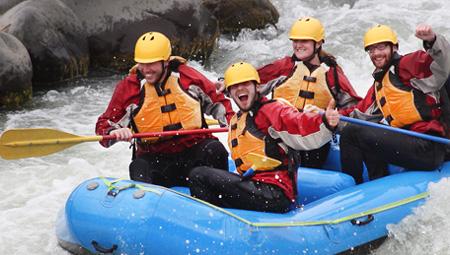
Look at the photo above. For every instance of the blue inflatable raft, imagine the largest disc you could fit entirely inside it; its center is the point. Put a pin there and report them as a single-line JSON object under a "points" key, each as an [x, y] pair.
{"points": [[334, 215]]}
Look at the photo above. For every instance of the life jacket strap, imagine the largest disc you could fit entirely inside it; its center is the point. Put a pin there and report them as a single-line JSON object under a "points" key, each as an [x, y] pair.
{"points": [[234, 142], [172, 127], [168, 108], [309, 78], [306, 94]]}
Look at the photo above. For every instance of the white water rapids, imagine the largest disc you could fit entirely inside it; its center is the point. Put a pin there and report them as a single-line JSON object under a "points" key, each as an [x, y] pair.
{"points": [[33, 190]]}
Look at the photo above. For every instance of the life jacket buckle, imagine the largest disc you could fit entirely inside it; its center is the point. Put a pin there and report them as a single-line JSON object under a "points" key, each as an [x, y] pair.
{"points": [[309, 78], [168, 108], [306, 94]]}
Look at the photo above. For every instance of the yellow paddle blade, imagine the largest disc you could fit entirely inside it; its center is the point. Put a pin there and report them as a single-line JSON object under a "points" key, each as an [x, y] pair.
{"points": [[35, 142], [261, 162], [211, 122]]}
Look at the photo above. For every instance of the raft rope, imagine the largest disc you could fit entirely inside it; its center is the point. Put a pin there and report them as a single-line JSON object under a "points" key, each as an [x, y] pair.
{"points": [[117, 189], [423, 195]]}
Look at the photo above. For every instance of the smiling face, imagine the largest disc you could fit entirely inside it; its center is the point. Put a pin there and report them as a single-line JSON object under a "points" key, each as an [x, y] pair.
{"points": [[303, 49], [244, 95], [152, 71], [380, 54]]}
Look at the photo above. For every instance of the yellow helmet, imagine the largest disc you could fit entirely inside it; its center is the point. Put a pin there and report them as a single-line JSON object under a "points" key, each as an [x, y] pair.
{"points": [[307, 28], [379, 33], [152, 47], [240, 72]]}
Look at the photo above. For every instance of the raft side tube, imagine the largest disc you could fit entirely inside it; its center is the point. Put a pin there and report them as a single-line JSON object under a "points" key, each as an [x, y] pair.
{"points": [[102, 219], [169, 222]]}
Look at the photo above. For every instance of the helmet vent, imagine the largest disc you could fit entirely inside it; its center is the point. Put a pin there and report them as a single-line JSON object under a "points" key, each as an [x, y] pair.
{"points": [[143, 38], [307, 19], [151, 39]]}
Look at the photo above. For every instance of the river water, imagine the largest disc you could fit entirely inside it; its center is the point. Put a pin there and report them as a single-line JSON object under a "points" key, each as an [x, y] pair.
{"points": [[33, 190]]}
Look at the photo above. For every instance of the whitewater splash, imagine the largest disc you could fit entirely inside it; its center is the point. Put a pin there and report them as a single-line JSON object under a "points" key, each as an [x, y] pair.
{"points": [[33, 190]]}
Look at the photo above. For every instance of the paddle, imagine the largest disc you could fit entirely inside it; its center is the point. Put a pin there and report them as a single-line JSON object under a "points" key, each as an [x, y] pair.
{"points": [[259, 162], [394, 129], [386, 127], [211, 122], [36, 142]]}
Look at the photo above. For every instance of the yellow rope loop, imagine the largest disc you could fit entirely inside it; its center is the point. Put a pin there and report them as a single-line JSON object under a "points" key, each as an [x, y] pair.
{"points": [[111, 186], [148, 189]]}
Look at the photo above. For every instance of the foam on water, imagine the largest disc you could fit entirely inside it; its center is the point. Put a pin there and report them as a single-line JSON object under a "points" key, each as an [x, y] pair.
{"points": [[33, 190], [426, 231]]}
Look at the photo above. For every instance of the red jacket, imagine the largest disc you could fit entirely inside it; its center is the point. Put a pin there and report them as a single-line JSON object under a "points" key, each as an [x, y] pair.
{"points": [[416, 70], [285, 66], [126, 94], [299, 131]]}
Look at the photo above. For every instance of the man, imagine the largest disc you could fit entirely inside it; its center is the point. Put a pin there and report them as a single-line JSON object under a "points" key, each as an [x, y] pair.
{"points": [[407, 93], [310, 76], [266, 127], [163, 93]]}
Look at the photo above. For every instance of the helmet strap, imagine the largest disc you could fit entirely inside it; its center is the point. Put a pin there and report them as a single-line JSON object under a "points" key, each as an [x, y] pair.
{"points": [[392, 59], [160, 80], [316, 51]]}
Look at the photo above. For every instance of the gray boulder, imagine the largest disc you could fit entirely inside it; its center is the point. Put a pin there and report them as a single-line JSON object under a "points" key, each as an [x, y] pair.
{"points": [[234, 15], [113, 26], [110, 28], [8, 4], [15, 72], [53, 36], [65, 38]]}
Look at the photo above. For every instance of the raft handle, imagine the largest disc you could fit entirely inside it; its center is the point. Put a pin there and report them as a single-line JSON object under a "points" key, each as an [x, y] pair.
{"points": [[101, 249], [370, 218]]}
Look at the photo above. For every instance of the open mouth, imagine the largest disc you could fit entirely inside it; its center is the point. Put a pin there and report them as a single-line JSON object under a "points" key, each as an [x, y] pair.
{"points": [[243, 97], [379, 61], [301, 50], [149, 77]]}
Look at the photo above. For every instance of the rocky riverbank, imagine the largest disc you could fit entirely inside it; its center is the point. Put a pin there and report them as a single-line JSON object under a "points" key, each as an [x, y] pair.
{"points": [[46, 42]]}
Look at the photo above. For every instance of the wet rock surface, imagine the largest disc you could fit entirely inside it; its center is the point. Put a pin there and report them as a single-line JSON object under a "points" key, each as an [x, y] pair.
{"points": [[234, 15], [67, 38], [53, 36], [113, 27], [15, 72]]}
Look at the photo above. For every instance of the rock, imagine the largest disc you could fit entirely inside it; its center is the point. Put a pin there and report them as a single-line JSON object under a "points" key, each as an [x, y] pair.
{"points": [[113, 26], [234, 15], [63, 35], [53, 36], [8, 4], [15, 72]]}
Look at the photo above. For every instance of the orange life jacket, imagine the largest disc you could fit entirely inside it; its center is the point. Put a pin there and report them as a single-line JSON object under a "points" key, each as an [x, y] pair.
{"points": [[244, 138], [166, 109], [401, 105], [304, 87]]}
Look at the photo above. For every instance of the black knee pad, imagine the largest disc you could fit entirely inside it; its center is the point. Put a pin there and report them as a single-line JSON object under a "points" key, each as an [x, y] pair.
{"points": [[196, 170], [349, 133], [216, 155], [214, 147], [139, 170]]}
